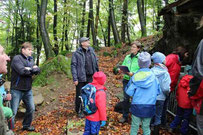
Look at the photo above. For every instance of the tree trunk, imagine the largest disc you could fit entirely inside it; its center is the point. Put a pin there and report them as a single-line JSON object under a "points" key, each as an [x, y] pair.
{"points": [[141, 18], [102, 32], [43, 30], [39, 43], [97, 17], [158, 21], [83, 19], [113, 23], [109, 28], [124, 20], [56, 47], [92, 23]]}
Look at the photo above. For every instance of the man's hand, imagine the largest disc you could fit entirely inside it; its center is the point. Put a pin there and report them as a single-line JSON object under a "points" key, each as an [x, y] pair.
{"points": [[8, 97], [130, 73], [28, 68], [75, 83]]}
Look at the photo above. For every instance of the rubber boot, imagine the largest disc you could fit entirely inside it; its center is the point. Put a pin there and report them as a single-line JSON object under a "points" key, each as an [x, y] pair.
{"points": [[156, 130], [184, 127]]}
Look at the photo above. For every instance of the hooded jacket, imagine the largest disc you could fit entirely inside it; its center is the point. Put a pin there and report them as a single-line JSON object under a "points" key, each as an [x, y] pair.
{"points": [[143, 87], [78, 64], [163, 76], [174, 66], [99, 78], [181, 93]]}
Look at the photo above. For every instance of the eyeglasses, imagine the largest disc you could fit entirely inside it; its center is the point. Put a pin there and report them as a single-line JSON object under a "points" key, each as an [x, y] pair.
{"points": [[2, 81]]}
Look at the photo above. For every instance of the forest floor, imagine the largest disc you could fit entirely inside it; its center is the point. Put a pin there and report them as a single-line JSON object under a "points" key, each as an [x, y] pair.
{"points": [[57, 117]]}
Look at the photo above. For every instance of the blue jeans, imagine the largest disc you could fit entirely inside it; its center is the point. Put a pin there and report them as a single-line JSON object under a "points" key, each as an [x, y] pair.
{"points": [[164, 111], [27, 98], [126, 100], [157, 116], [136, 124], [91, 127]]}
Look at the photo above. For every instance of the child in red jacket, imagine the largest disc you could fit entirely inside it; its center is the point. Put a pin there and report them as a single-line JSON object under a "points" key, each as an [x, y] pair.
{"points": [[184, 108], [95, 121]]}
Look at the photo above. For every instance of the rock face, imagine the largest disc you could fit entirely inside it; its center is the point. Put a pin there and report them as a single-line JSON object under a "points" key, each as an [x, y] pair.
{"points": [[181, 26]]}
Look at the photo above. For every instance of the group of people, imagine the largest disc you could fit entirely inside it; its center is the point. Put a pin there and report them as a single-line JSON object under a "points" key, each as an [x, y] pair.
{"points": [[149, 85], [23, 68]]}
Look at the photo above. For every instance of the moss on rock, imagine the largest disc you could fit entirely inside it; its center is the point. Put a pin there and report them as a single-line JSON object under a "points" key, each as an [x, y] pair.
{"points": [[59, 64]]}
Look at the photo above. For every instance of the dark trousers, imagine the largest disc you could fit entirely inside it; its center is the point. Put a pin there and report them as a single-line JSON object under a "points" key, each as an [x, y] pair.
{"points": [[183, 117], [78, 93], [126, 100]]}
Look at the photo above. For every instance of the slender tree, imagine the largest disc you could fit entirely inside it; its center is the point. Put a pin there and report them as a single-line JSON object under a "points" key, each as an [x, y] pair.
{"points": [[124, 20], [43, 30], [83, 19], [141, 18], [56, 46], [92, 22]]}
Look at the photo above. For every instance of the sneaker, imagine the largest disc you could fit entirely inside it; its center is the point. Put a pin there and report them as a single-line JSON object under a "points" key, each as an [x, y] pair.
{"points": [[30, 128], [123, 120]]}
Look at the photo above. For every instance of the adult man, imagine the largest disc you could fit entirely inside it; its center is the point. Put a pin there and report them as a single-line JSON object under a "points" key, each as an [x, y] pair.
{"points": [[21, 83], [83, 66], [3, 70]]}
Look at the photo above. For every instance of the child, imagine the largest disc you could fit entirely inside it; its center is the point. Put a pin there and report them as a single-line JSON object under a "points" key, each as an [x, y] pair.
{"points": [[3, 96], [161, 72], [92, 123], [143, 88], [184, 108]]}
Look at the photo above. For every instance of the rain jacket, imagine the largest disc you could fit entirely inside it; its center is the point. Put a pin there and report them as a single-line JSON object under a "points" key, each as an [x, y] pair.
{"points": [[161, 72], [197, 100], [181, 93], [78, 64], [99, 79], [132, 64], [174, 66], [143, 87], [197, 65]]}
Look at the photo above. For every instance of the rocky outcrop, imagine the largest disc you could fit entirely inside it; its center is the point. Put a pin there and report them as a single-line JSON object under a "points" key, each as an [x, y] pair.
{"points": [[181, 26]]}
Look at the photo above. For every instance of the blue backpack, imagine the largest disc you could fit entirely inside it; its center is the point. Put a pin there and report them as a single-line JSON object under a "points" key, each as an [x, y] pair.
{"points": [[88, 97]]}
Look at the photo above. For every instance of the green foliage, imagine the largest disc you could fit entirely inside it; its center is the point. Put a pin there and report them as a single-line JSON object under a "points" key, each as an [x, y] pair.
{"points": [[119, 45], [57, 64], [106, 54], [34, 133]]}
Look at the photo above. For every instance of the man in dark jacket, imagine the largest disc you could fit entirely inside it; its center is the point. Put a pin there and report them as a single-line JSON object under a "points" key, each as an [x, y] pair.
{"points": [[3, 70], [83, 66], [23, 68]]}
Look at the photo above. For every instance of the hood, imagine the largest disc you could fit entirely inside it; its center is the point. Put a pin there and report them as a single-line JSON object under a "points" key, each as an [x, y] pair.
{"points": [[99, 79], [184, 82], [143, 78], [159, 70]]}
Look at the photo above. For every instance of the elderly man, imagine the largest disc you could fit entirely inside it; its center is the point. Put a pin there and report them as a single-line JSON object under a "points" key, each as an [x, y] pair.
{"points": [[83, 66], [3, 70]]}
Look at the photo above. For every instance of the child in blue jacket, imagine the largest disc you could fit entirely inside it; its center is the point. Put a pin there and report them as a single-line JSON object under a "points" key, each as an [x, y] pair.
{"points": [[161, 72], [143, 88]]}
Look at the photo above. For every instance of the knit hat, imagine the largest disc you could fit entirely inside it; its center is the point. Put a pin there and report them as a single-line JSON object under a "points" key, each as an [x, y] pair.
{"points": [[158, 57], [144, 60]]}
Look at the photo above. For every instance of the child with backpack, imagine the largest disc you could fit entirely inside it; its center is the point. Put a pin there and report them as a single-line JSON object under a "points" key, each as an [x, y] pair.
{"points": [[184, 108], [161, 72], [143, 88], [97, 119]]}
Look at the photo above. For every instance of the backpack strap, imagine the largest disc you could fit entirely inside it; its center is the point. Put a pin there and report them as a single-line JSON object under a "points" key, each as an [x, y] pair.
{"points": [[100, 90]]}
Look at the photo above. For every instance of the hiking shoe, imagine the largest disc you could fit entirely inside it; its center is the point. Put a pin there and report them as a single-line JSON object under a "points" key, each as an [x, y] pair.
{"points": [[81, 115], [123, 120], [30, 128]]}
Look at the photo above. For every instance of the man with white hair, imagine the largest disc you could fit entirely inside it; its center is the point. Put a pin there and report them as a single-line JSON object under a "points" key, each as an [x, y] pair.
{"points": [[3, 70]]}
